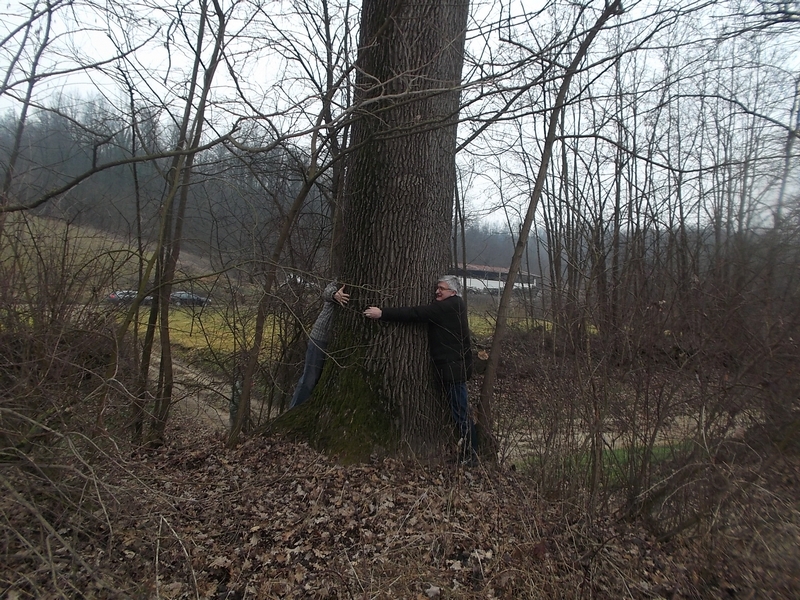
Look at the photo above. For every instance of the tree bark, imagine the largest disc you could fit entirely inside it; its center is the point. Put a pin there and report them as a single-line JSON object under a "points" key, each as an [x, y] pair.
{"points": [[377, 390]]}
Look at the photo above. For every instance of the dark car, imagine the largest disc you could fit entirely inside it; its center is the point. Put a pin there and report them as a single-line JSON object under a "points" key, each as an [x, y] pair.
{"points": [[127, 297], [188, 299]]}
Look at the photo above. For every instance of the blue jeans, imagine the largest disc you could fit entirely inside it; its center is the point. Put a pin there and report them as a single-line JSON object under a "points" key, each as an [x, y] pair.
{"points": [[459, 408], [315, 361]]}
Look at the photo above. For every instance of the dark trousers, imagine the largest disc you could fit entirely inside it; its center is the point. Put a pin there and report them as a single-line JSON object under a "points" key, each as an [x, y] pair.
{"points": [[312, 370], [459, 408]]}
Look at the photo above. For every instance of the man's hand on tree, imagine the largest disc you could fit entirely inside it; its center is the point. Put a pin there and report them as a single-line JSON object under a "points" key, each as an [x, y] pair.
{"points": [[373, 312]]}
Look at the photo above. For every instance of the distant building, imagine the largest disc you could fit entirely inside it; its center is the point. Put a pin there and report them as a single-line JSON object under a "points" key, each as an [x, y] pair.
{"points": [[484, 279]]}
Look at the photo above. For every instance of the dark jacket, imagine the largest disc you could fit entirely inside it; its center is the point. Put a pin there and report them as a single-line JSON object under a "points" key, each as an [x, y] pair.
{"points": [[448, 334]]}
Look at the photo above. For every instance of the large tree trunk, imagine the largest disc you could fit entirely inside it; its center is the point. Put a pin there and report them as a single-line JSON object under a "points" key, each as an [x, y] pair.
{"points": [[377, 390]]}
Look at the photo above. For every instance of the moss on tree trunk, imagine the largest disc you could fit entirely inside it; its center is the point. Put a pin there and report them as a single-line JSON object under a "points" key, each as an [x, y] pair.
{"points": [[345, 415]]}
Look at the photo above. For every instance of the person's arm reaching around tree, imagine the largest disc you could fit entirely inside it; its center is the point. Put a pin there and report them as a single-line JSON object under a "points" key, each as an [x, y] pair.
{"points": [[332, 296]]}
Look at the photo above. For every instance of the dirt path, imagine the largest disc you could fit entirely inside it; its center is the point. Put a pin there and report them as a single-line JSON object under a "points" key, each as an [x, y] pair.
{"points": [[200, 396]]}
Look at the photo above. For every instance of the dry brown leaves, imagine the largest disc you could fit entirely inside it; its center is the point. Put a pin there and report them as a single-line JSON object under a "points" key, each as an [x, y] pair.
{"points": [[274, 519]]}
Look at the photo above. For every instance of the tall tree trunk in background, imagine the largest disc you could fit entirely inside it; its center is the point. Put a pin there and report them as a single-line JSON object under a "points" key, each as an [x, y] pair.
{"points": [[173, 216], [14, 154], [485, 419], [377, 390]]}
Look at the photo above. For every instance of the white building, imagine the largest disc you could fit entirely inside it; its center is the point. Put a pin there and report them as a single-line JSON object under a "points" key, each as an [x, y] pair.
{"points": [[485, 279]]}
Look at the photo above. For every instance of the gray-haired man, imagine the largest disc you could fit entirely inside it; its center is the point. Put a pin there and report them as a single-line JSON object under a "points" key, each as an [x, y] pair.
{"points": [[450, 347]]}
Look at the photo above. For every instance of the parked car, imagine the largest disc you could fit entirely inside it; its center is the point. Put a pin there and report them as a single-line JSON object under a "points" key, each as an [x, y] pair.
{"points": [[181, 298], [297, 283], [127, 297]]}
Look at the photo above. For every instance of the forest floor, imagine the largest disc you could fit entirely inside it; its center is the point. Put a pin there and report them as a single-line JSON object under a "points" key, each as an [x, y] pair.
{"points": [[276, 519]]}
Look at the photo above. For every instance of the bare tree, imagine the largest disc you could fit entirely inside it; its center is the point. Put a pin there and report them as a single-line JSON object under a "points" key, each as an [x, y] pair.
{"points": [[485, 411]]}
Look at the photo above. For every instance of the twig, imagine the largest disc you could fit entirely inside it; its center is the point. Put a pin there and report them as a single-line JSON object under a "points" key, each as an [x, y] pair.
{"points": [[188, 558]]}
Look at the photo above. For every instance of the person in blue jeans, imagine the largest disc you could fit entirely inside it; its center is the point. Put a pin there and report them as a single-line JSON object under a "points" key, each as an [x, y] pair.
{"points": [[332, 296], [450, 347]]}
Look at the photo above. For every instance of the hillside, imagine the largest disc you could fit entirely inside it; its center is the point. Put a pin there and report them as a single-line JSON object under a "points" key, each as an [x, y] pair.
{"points": [[275, 519]]}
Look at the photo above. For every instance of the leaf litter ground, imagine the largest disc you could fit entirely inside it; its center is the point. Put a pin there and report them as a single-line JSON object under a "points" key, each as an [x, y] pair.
{"points": [[275, 519]]}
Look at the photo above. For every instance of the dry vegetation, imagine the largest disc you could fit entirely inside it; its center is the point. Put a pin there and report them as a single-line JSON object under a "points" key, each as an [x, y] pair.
{"points": [[89, 516], [667, 469]]}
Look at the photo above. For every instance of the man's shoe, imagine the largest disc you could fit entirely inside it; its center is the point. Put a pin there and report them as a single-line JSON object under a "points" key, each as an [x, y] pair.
{"points": [[469, 461]]}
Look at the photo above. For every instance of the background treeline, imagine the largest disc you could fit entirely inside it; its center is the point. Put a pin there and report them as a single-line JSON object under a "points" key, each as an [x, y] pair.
{"points": [[235, 197]]}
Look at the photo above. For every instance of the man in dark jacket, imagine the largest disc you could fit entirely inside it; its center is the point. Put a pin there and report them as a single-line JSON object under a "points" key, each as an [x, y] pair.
{"points": [[450, 348]]}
